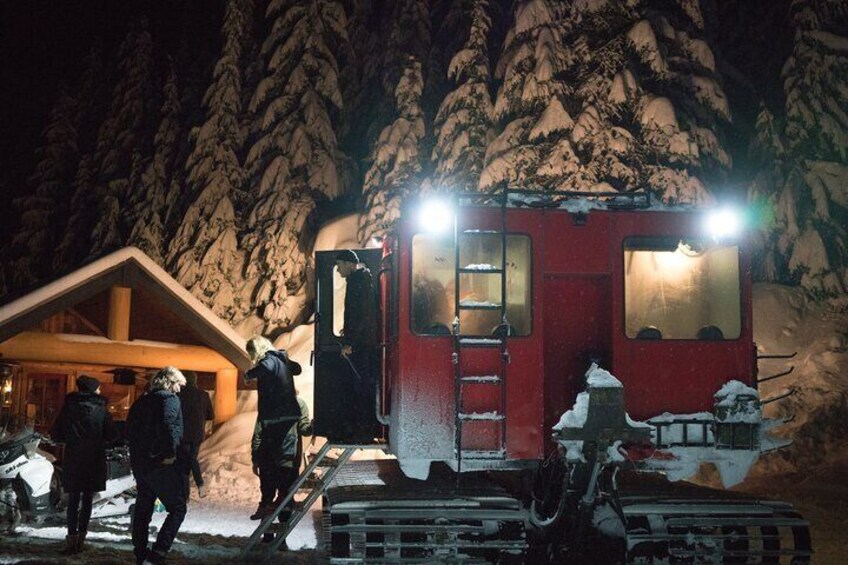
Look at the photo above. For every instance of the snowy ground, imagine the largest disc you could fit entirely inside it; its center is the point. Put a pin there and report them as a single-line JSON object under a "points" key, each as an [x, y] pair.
{"points": [[213, 532]]}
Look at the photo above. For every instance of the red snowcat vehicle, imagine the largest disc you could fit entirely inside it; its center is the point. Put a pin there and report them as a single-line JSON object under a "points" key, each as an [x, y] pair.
{"points": [[550, 366]]}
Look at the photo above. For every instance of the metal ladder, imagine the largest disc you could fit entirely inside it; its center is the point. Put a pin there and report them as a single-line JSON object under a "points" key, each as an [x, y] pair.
{"points": [[316, 487], [462, 379]]}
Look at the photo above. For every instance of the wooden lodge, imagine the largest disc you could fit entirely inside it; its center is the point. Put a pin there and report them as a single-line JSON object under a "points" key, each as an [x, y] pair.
{"points": [[118, 319]]}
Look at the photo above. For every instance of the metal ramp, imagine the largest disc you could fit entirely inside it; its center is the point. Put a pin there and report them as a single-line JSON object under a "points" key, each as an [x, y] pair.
{"points": [[471, 274], [315, 486]]}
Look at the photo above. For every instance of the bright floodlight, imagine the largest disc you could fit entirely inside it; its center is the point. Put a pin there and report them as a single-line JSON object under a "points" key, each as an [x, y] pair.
{"points": [[724, 223], [435, 216]]}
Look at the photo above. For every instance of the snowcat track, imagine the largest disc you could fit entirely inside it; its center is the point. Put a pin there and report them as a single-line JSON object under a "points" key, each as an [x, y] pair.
{"points": [[397, 520], [680, 530]]}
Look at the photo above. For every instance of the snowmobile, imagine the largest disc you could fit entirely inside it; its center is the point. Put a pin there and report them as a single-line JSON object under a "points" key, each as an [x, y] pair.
{"points": [[31, 486]]}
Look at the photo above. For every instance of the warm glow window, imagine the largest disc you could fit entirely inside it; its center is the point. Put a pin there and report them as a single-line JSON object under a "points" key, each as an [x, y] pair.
{"points": [[434, 292], [681, 289]]}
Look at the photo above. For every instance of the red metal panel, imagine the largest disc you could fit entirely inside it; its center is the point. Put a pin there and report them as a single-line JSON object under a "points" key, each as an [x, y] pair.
{"points": [[577, 331], [574, 247]]}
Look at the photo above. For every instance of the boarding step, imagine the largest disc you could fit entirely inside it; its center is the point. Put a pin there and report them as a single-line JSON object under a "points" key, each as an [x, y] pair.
{"points": [[478, 305], [480, 342], [481, 416], [481, 454], [481, 269], [481, 379]]}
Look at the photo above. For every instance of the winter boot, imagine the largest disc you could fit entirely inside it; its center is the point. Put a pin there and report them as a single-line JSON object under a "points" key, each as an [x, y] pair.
{"points": [[263, 511], [71, 541], [81, 540], [154, 558]]}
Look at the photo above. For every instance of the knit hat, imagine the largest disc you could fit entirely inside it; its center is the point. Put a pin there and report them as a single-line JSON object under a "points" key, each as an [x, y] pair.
{"points": [[87, 384], [347, 255]]}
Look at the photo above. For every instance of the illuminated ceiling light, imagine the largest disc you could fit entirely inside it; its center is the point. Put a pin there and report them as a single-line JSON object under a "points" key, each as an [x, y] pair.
{"points": [[435, 216], [724, 223]]}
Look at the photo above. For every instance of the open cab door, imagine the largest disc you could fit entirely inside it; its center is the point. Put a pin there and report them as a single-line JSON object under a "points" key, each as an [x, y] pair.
{"points": [[342, 394]]}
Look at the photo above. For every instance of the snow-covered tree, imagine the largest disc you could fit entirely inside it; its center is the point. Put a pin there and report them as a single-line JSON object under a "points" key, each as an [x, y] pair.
{"points": [[398, 158], [145, 212], [396, 161], [811, 204], [95, 206], [295, 157], [57, 159], [465, 115], [120, 139], [204, 254], [608, 96]]}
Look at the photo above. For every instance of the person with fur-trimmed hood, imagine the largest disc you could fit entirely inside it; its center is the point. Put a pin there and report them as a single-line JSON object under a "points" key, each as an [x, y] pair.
{"points": [[155, 431], [279, 410], [85, 426]]}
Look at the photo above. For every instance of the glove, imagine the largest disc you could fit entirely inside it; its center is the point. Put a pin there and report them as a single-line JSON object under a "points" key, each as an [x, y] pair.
{"points": [[256, 470]]}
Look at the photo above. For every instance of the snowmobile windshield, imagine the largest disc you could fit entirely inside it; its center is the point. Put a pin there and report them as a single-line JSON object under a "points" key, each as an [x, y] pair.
{"points": [[678, 288]]}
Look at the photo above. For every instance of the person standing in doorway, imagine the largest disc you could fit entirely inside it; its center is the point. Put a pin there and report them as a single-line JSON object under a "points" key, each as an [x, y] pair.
{"points": [[85, 427], [155, 431], [197, 410], [359, 341]]}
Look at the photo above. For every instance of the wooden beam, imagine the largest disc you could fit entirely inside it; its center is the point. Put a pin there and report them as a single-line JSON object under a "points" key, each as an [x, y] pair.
{"points": [[226, 394], [69, 348], [119, 313]]}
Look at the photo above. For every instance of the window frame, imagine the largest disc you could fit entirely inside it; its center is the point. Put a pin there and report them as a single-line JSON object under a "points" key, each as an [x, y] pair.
{"points": [[451, 335], [659, 238]]}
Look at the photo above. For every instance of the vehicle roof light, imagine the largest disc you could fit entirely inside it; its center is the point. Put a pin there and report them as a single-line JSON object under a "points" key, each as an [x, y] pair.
{"points": [[435, 216]]}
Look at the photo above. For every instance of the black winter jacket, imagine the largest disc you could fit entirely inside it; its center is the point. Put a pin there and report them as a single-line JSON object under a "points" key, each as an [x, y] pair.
{"points": [[360, 310], [154, 430], [268, 448], [275, 385], [85, 427], [197, 408]]}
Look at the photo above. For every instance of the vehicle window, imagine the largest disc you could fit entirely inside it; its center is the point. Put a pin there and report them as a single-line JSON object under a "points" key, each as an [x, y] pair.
{"points": [[433, 284], [681, 289]]}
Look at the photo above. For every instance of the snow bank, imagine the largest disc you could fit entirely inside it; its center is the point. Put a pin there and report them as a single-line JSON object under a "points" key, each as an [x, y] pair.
{"points": [[787, 320]]}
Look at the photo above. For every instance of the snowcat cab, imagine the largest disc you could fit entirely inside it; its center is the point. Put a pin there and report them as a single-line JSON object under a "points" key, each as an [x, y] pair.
{"points": [[539, 353]]}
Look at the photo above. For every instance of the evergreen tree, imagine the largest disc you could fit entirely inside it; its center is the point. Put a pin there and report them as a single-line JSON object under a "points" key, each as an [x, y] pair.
{"points": [[397, 160], [57, 157], [812, 202], [465, 115], [608, 96], [204, 253], [95, 206], [396, 167], [146, 211], [120, 139], [295, 158]]}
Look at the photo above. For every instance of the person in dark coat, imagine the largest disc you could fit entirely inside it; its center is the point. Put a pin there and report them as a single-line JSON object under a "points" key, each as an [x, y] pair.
{"points": [[85, 427], [197, 410], [278, 408], [276, 461], [359, 340], [155, 432]]}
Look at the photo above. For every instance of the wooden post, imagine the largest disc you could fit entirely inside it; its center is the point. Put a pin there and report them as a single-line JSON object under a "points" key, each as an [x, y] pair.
{"points": [[119, 313], [226, 394]]}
